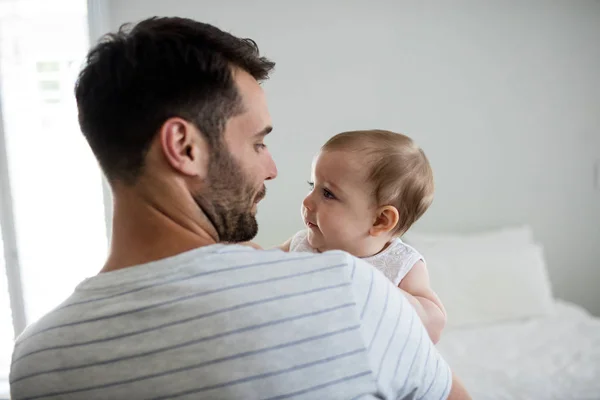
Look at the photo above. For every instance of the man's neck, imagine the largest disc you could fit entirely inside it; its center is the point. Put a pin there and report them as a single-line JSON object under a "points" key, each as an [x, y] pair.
{"points": [[143, 232]]}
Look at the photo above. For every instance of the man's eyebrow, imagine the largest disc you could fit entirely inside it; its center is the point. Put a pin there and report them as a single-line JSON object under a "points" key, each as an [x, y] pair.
{"points": [[265, 131]]}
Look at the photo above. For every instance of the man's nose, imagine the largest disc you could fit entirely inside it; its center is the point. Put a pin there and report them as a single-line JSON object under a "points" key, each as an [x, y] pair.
{"points": [[271, 169]]}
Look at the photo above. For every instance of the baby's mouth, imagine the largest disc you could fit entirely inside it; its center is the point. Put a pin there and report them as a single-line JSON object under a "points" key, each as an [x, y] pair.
{"points": [[311, 225]]}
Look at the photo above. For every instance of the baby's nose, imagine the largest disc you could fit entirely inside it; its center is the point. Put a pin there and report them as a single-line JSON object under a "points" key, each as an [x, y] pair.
{"points": [[308, 203]]}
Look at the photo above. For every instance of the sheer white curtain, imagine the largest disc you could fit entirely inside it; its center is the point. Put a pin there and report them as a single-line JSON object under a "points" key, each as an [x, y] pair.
{"points": [[6, 327], [57, 204]]}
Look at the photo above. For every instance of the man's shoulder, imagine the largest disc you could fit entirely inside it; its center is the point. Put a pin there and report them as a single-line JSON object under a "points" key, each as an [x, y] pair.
{"points": [[331, 259], [36, 334], [235, 252], [357, 273], [353, 264], [227, 270], [241, 306]]}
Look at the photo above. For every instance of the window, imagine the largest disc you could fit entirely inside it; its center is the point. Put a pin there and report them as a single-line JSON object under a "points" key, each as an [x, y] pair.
{"points": [[47, 66], [59, 230], [49, 86]]}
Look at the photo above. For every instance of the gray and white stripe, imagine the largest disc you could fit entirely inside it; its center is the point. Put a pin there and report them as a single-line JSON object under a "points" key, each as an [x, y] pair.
{"points": [[231, 322]]}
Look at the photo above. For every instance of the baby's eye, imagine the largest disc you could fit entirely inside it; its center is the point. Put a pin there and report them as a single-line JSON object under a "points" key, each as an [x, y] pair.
{"points": [[260, 146], [328, 194], [311, 185]]}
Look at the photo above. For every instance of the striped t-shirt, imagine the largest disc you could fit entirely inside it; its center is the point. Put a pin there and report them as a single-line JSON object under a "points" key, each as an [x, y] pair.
{"points": [[231, 322]]}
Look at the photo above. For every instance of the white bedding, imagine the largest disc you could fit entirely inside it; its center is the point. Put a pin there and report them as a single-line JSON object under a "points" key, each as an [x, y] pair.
{"points": [[554, 357]]}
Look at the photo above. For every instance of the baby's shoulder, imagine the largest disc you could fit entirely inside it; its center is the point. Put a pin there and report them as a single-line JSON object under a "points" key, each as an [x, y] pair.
{"points": [[398, 250], [396, 260]]}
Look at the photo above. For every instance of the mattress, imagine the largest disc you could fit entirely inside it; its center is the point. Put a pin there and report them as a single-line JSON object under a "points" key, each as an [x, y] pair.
{"points": [[554, 357]]}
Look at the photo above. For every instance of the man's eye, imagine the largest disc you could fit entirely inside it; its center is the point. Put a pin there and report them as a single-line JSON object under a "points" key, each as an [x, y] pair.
{"points": [[260, 146], [311, 185]]}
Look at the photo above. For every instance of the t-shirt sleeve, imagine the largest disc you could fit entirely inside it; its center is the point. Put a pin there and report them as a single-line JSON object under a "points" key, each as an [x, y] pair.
{"points": [[410, 257], [402, 357]]}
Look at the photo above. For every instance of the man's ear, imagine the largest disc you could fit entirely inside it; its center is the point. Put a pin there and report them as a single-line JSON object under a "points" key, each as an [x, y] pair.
{"points": [[184, 147], [386, 219]]}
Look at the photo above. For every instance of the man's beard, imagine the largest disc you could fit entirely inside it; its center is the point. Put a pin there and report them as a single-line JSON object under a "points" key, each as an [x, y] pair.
{"points": [[228, 198]]}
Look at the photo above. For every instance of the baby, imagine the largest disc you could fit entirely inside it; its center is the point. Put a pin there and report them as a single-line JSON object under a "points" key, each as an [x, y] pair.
{"points": [[367, 189]]}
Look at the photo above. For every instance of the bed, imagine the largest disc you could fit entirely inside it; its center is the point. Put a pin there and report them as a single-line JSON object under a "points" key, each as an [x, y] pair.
{"points": [[507, 337], [555, 357]]}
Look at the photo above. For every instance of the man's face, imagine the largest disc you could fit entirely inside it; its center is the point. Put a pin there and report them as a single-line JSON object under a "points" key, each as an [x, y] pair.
{"points": [[239, 166]]}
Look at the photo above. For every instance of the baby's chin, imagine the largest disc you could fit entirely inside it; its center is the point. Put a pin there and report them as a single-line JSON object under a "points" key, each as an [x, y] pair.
{"points": [[315, 244], [320, 246]]}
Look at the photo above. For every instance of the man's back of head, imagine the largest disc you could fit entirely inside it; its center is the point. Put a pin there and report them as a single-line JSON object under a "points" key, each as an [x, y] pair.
{"points": [[138, 78]]}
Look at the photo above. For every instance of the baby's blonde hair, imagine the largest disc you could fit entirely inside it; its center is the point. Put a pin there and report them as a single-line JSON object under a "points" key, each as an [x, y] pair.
{"points": [[398, 171]]}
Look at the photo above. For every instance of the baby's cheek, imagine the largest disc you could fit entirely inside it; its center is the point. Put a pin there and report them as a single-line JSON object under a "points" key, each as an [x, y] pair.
{"points": [[345, 227], [342, 238]]}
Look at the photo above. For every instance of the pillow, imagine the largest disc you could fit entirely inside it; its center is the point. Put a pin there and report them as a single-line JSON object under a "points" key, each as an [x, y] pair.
{"points": [[483, 281]]}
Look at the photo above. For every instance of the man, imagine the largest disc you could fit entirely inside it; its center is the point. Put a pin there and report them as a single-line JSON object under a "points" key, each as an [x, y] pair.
{"points": [[175, 115]]}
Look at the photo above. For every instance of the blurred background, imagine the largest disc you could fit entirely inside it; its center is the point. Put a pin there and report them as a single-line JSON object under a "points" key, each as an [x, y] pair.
{"points": [[504, 97]]}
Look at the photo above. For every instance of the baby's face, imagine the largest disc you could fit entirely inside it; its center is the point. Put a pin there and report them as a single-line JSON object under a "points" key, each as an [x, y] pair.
{"points": [[339, 211]]}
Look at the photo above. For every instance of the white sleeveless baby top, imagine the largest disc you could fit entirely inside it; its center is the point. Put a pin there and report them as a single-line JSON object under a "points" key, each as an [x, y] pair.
{"points": [[394, 261]]}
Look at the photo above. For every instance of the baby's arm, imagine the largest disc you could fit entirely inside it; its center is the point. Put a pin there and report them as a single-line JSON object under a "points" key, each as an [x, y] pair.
{"points": [[415, 286], [285, 246], [251, 244]]}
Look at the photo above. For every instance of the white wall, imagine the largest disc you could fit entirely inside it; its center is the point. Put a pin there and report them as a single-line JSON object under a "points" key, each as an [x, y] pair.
{"points": [[503, 96]]}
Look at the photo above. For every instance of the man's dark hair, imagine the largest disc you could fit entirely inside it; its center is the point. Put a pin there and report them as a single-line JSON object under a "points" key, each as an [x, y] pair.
{"points": [[135, 79]]}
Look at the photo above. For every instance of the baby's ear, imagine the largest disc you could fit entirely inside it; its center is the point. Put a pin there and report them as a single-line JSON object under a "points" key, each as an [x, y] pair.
{"points": [[386, 219]]}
